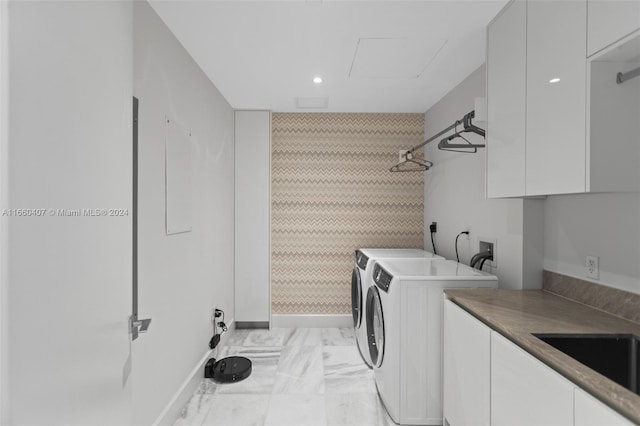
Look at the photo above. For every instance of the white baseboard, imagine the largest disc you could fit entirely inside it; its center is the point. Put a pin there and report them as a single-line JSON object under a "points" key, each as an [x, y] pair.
{"points": [[311, 321], [171, 412]]}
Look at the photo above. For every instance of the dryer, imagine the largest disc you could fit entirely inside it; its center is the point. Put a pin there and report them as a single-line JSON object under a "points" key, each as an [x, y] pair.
{"points": [[404, 331], [361, 280]]}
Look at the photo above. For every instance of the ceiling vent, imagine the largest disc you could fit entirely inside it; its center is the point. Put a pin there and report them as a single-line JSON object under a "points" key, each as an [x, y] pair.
{"points": [[312, 103]]}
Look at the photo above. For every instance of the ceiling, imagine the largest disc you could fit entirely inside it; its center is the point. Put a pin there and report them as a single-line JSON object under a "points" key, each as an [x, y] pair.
{"points": [[373, 56]]}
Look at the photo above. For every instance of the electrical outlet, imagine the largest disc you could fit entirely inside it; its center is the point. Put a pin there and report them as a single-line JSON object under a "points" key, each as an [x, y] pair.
{"points": [[489, 244], [592, 267], [215, 315], [404, 155]]}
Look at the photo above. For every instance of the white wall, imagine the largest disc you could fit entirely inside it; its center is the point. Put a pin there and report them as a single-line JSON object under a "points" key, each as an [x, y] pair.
{"points": [[4, 183], [182, 277], [70, 277], [604, 225], [455, 199]]}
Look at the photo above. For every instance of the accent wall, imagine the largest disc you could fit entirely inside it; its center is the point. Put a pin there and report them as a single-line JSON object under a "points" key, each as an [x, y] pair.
{"points": [[332, 192]]}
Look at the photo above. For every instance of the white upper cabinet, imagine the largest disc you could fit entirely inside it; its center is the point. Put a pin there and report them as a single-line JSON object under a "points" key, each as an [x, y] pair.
{"points": [[574, 129], [556, 97], [506, 84], [609, 21], [536, 97]]}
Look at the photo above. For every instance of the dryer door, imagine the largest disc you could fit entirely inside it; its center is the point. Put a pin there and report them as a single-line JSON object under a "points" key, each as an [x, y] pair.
{"points": [[375, 326], [356, 297]]}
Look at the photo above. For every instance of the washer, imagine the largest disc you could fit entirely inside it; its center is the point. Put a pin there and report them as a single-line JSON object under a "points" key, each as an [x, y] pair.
{"points": [[361, 280], [404, 331]]}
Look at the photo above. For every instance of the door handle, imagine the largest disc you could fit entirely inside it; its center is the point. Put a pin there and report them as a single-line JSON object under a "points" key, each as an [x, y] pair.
{"points": [[138, 326], [143, 325]]}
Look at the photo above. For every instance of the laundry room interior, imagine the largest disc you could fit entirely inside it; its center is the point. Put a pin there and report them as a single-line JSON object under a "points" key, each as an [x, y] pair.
{"points": [[320, 212]]}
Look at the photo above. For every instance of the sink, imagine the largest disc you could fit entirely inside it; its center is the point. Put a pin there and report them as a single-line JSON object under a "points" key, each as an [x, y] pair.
{"points": [[616, 356]]}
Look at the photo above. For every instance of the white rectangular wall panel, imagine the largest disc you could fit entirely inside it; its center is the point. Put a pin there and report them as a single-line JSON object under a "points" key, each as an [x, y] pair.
{"points": [[179, 192]]}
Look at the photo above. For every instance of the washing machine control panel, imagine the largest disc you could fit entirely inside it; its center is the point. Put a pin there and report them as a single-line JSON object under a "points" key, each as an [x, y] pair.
{"points": [[382, 278], [361, 260]]}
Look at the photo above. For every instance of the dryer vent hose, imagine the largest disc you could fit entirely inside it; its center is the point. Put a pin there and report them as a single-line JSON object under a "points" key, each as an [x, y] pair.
{"points": [[478, 259]]}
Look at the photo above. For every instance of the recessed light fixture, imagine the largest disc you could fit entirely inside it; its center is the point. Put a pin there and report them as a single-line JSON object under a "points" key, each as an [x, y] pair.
{"points": [[317, 80], [554, 80]]}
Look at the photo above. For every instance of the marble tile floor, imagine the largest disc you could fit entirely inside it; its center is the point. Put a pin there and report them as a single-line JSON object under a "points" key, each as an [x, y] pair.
{"points": [[300, 377]]}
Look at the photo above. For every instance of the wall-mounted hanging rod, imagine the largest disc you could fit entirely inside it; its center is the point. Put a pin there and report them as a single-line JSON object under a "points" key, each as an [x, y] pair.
{"points": [[437, 135], [622, 77], [466, 126]]}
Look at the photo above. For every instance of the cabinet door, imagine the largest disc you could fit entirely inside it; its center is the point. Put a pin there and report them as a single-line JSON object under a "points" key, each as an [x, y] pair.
{"points": [[466, 368], [506, 84], [591, 412], [252, 208], [556, 97], [524, 391], [609, 21]]}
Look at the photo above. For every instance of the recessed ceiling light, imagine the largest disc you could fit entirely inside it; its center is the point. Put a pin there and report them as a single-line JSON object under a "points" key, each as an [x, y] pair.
{"points": [[317, 80], [554, 80]]}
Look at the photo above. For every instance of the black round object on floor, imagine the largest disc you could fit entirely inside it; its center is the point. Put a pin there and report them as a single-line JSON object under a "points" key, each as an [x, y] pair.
{"points": [[231, 369]]}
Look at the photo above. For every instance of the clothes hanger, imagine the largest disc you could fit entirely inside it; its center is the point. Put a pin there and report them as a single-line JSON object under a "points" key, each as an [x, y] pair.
{"points": [[444, 144], [415, 165]]}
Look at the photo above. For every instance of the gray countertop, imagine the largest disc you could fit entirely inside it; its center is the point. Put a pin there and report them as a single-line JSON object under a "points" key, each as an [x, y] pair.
{"points": [[518, 314]]}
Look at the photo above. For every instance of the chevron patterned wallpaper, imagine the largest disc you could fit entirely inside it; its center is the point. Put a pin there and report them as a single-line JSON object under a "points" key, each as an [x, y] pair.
{"points": [[331, 193]]}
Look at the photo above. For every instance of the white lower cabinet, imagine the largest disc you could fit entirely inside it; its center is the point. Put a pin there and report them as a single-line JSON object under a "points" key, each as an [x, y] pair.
{"points": [[467, 353], [591, 412], [489, 380], [524, 391]]}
